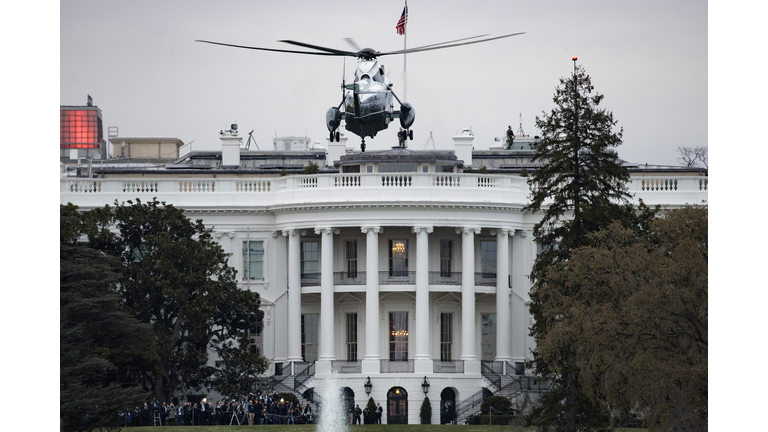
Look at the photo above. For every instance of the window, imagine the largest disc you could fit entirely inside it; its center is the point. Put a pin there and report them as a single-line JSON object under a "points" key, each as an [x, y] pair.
{"points": [[351, 253], [446, 336], [255, 342], [352, 337], [488, 336], [369, 168], [425, 168], [446, 257], [488, 259], [398, 258], [351, 169], [310, 268], [309, 338], [253, 260], [398, 336]]}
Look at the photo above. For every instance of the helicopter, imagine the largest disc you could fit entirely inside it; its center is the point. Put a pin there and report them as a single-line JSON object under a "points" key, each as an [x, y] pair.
{"points": [[368, 105]]}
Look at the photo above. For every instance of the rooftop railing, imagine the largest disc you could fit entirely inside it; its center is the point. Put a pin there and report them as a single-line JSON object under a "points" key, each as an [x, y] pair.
{"points": [[483, 189]]}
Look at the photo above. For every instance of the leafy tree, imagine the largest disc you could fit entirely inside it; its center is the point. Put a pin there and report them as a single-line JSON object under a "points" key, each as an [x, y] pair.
{"points": [[499, 403], [101, 344], [639, 320], [175, 278], [580, 187]]}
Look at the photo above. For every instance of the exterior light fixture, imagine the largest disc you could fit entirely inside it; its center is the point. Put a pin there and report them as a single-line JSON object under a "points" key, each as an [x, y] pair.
{"points": [[425, 386], [368, 386]]}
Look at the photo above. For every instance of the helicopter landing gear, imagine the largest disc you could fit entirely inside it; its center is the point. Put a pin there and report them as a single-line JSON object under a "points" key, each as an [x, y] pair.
{"points": [[410, 134], [337, 136], [362, 145], [331, 138]]}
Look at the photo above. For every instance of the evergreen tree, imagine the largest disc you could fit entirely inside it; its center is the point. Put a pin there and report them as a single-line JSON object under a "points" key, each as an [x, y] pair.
{"points": [[580, 188], [102, 347]]}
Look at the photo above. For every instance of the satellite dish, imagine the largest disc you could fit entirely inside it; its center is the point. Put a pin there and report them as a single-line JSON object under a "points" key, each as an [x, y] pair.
{"points": [[97, 156]]}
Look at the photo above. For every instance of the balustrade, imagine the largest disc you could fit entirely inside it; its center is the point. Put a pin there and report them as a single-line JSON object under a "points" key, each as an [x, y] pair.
{"points": [[449, 366], [397, 277], [349, 278]]}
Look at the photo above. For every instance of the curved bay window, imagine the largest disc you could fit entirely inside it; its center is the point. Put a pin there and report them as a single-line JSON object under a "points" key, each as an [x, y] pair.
{"points": [[398, 336]]}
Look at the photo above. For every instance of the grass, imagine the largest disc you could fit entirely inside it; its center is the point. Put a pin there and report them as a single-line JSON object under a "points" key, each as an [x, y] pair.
{"points": [[354, 428]]}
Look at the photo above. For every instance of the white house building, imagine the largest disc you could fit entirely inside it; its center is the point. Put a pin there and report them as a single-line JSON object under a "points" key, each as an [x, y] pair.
{"points": [[390, 268]]}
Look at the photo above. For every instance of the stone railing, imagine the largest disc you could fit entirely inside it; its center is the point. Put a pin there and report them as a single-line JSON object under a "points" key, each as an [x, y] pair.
{"points": [[346, 189]]}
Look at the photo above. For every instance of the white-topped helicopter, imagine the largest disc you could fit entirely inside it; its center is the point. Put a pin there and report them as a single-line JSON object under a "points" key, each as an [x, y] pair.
{"points": [[368, 105]]}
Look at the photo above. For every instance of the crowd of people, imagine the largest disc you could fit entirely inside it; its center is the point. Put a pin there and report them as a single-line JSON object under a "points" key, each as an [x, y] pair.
{"points": [[249, 409]]}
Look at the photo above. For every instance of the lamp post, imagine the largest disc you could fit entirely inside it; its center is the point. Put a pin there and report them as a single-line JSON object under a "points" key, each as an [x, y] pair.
{"points": [[425, 386], [368, 386]]}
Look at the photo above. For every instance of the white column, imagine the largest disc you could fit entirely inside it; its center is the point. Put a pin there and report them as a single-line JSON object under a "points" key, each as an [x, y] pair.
{"points": [[502, 295], [422, 357], [326, 348], [522, 261], [468, 339], [294, 295], [370, 364]]}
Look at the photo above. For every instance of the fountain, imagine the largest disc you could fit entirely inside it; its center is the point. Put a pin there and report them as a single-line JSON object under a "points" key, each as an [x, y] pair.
{"points": [[333, 413]]}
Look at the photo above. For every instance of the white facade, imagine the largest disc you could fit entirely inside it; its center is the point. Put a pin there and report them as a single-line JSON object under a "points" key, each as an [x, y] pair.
{"points": [[441, 260]]}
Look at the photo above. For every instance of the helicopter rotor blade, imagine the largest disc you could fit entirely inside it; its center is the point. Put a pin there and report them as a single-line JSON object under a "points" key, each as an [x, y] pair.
{"points": [[352, 43], [440, 46], [271, 49], [332, 51], [447, 42]]}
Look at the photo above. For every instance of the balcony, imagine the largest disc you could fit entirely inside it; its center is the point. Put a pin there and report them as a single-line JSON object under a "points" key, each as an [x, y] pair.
{"points": [[349, 278], [485, 279], [444, 278], [397, 278], [310, 279], [391, 366], [450, 366]]}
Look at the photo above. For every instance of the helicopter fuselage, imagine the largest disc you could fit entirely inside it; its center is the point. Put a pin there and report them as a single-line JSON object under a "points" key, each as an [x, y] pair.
{"points": [[368, 106]]}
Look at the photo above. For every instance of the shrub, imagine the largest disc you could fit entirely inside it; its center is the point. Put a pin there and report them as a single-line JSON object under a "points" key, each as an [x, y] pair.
{"points": [[499, 403], [426, 411]]}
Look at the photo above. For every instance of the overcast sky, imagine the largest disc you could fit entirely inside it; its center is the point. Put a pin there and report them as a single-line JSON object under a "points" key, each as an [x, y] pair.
{"points": [[140, 63]]}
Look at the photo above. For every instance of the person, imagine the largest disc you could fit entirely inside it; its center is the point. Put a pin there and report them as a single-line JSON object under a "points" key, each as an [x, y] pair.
{"points": [[172, 414], [379, 412], [358, 412], [366, 415], [401, 137], [351, 415], [258, 409], [510, 137], [447, 413]]}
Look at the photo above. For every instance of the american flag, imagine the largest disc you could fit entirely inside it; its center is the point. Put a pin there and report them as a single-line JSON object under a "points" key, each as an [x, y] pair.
{"points": [[403, 20]]}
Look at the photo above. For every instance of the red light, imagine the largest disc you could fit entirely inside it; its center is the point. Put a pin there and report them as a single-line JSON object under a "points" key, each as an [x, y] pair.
{"points": [[575, 58]]}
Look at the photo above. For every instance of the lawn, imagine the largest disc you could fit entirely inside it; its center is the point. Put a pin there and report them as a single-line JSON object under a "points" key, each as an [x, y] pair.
{"points": [[357, 428]]}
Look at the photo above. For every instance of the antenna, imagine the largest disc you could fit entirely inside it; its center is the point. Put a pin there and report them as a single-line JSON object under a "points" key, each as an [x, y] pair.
{"points": [[428, 140], [248, 144], [520, 130]]}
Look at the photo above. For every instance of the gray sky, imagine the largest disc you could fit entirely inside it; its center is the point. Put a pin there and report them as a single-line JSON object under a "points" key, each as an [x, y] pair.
{"points": [[139, 62]]}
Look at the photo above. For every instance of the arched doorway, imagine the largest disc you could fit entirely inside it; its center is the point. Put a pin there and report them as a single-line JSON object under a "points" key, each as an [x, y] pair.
{"points": [[448, 413], [397, 406], [349, 402]]}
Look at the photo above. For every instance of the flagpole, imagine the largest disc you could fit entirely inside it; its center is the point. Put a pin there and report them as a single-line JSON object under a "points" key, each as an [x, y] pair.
{"points": [[405, 42]]}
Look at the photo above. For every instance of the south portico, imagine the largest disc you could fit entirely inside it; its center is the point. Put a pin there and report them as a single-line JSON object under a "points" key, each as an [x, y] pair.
{"points": [[423, 289]]}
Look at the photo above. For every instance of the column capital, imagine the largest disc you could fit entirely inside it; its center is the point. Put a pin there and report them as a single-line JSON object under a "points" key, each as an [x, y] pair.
{"points": [[467, 230], [417, 229], [523, 233], [373, 229], [275, 234], [289, 232], [506, 231], [327, 230]]}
